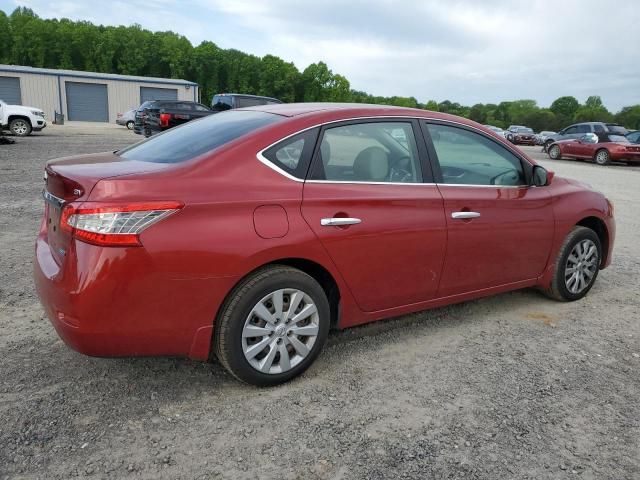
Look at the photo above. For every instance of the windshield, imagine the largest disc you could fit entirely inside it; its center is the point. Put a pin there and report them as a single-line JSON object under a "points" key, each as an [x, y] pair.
{"points": [[220, 103], [198, 137], [144, 105]]}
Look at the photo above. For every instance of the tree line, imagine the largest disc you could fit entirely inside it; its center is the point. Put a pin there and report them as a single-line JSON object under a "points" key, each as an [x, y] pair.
{"points": [[26, 39]]}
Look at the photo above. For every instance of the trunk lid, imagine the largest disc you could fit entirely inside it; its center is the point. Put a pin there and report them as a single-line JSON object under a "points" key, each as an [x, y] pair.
{"points": [[72, 179]]}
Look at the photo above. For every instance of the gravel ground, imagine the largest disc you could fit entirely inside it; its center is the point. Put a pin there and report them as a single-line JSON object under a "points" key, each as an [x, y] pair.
{"points": [[514, 386]]}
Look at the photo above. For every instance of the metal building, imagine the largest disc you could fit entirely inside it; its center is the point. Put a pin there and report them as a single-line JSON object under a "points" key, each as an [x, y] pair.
{"points": [[86, 96]]}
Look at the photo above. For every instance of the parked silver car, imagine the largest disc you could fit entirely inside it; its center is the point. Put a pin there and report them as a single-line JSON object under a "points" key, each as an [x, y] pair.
{"points": [[126, 119]]}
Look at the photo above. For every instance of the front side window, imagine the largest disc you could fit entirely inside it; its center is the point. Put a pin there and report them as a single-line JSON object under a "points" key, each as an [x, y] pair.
{"points": [[196, 138], [369, 152], [570, 131], [468, 158]]}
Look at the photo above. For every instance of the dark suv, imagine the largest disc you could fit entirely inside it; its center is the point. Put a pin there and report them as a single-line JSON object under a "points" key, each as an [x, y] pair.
{"points": [[161, 115], [227, 101], [577, 130]]}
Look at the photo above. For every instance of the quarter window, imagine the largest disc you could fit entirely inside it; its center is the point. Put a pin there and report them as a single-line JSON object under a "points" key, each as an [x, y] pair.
{"points": [[292, 155], [469, 158], [369, 152]]}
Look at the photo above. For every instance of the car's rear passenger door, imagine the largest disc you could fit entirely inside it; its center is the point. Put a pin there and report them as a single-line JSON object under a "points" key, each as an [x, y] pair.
{"points": [[373, 205], [500, 228]]}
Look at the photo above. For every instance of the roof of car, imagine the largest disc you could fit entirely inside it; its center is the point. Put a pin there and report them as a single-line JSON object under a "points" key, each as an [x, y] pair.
{"points": [[245, 95], [356, 109]]}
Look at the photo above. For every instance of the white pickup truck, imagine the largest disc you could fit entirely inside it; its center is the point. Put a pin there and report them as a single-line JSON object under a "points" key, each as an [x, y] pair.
{"points": [[21, 121]]}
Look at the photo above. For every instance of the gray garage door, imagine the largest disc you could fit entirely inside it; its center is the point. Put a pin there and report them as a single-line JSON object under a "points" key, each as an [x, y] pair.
{"points": [[10, 90], [148, 93], [87, 102]]}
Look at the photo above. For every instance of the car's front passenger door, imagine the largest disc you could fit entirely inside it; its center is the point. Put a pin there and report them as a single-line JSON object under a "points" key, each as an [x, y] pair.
{"points": [[500, 229]]}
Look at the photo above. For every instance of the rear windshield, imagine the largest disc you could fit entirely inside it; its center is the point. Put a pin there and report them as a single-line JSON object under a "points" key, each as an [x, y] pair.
{"points": [[525, 130], [220, 103], [618, 129], [198, 137]]}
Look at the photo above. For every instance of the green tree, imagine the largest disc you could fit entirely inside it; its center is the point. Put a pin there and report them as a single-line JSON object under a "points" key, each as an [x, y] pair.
{"points": [[629, 117], [431, 105], [5, 38], [478, 113], [565, 108]]}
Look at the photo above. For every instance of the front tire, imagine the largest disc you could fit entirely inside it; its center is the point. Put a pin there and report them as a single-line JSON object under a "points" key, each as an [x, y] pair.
{"points": [[130, 125], [554, 152], [602, 157], [20, 127], [272, 326], [577, 265]]}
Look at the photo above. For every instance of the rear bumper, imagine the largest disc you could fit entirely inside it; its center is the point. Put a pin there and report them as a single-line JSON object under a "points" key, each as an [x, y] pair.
{"points": [[626, 156], [114, 302]]}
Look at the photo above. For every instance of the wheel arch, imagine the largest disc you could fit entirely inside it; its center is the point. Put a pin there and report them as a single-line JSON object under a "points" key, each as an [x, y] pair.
{"points": [[312, 268], [18, 116], [600, 228]]}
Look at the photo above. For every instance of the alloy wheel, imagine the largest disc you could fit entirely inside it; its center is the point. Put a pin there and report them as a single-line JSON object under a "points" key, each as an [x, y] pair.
{"points": [[602, 157], [554, 152], [582, 264], [19, 127], [280, 331]]}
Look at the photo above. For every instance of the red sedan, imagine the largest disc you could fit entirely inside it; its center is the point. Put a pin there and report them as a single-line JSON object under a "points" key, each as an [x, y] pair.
{"points": [[601, 149], [251, 233]]}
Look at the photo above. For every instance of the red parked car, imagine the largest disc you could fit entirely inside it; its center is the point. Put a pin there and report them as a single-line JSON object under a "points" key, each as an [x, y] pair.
{"points": [[600, 148], [250, 233]]}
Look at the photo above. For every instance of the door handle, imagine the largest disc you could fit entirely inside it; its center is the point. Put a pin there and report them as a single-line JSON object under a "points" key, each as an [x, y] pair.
{"points": [[464, 215], [339, 221]]}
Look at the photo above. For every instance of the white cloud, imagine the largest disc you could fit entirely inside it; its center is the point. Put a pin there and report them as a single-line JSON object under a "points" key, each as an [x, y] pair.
{"points": [[462, 50]]}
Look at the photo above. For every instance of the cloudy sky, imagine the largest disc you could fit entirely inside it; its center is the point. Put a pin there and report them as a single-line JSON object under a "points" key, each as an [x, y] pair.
{"points": [[462, 50]]}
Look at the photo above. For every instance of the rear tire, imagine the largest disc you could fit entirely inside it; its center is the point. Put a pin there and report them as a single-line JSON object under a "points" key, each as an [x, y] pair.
{"points": [[602, 157], [20, 127], [285, 294], [577, 265]]}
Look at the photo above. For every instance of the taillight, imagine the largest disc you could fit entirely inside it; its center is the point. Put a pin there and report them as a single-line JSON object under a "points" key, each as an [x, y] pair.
{"points": [[164, 119], [113, 225]]}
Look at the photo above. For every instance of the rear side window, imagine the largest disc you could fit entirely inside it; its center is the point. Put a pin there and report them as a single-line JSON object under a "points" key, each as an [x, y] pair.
{"points": [[293, 154], [249, 102], [379, 152], [583, 129], [198, 137], [598, 128]]}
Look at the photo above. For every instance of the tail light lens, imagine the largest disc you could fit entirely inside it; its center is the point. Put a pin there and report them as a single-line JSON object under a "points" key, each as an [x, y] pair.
{"points": [[114, 225], [164, 119]]}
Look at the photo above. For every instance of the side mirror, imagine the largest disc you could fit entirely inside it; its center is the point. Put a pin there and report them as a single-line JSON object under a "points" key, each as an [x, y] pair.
{"points": [[541, 177]]}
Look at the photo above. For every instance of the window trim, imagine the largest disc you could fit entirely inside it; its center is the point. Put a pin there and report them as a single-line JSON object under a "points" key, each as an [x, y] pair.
{"points": [[426, 155], [527, 167]]}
